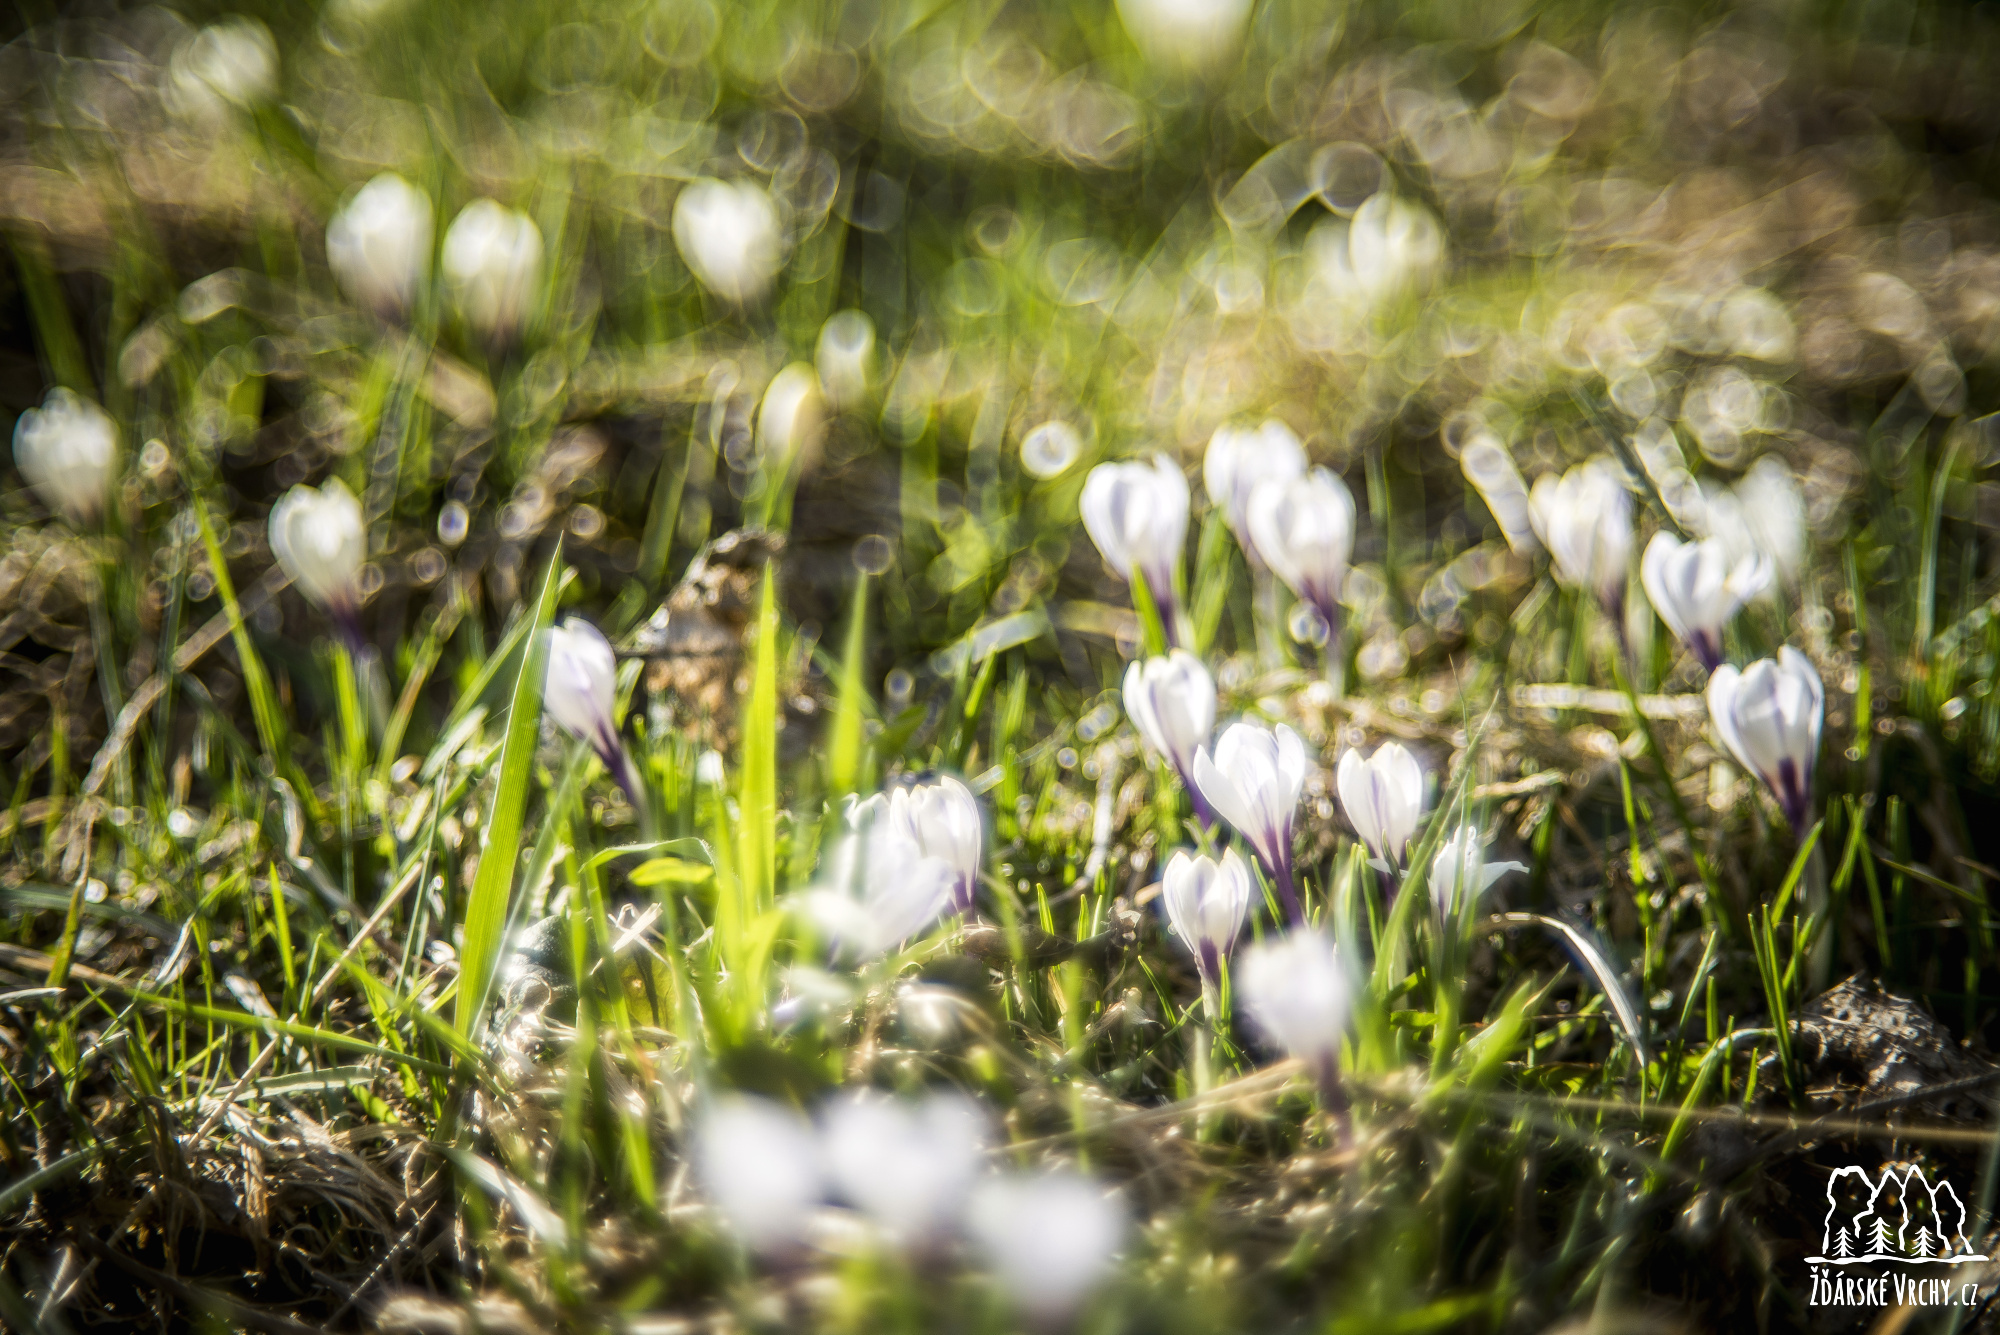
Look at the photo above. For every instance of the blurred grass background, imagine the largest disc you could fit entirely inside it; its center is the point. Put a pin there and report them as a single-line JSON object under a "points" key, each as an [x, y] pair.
{"points": [[1769, 229]]}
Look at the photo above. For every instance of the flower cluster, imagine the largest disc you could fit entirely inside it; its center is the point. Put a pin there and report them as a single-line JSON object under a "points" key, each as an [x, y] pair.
{"points": [[914, 1171]]}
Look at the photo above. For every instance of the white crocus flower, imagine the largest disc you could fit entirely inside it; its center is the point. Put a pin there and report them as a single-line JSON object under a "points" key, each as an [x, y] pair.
{"points": [[906, 1165], [1050, 1237], [759, 1163], [1490, 469], [230, 63], [1192, 34], [319, 540], [1206, 902], [729, 235], [845, 358], [492, 262], [1298, 992], [1696, 589], [580, 692], [790, 417], [379, 244], [942, 816], [1383, 797], [1304, 529], [1137, 514], [1460, 873], [1171, 701], [1253, 781], [1238, 459], [1765, 512], [1768, 715], [67, 449], [1584, 518], [879, 885]]}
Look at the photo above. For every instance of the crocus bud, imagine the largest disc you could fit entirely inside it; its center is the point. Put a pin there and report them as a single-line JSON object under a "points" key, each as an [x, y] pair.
{"points": [[1253, 781], [790, 417], [1297, 992], [230, 63], [1490, 469], [379, 244], [729, 236], [580, 691], [1171, 701], [878, 886], [906, 1165], [1137, 514], [1383, 797], [67, 449], [1584, 518], [1206, 902], [1238, 459], [1765, 512], [1304, 528], [1188, 34], [845, 358], [759, 1163], [318, 539], [492, 262], [942, 816], [1768, 715], [1696, 589], [1049, 1237], [1460, 873]]}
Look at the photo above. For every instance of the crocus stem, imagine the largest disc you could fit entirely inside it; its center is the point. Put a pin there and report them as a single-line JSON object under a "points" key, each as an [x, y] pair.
{"points": [[1333, 1098], [1269, 618], [1819, 960], [1333, 654], [1282, 874]]}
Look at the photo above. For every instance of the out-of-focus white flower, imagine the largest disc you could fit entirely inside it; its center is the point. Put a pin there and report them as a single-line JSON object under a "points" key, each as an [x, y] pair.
{"points": [[942, 815], [1049, 449], [760, 1164], [1137, 514], [1297, 992], [729, 236], [1171, 701], [580, 691], [1194, 34], [1206, 902], [1584, 518], [1389, 247], [1240, 458], [379, 244], [1768, 715], [708, 770], [318, 538], [1764, 512], [1304, 529], [232, 62], [1696, 589], [1253, 781], [879, 886], [1383, 797], [906, 1165], [1049, 1237], [492, 263], [1460, 873], [1490, 469], [845, 358], [67, 449], [791, 416]]}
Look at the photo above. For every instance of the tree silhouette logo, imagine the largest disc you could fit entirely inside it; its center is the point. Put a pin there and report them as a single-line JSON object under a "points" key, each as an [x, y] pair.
{"points": [[1900, 1216]]}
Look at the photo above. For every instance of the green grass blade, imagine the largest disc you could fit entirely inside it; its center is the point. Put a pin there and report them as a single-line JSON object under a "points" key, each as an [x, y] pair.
{"points": [[486, 910]]}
